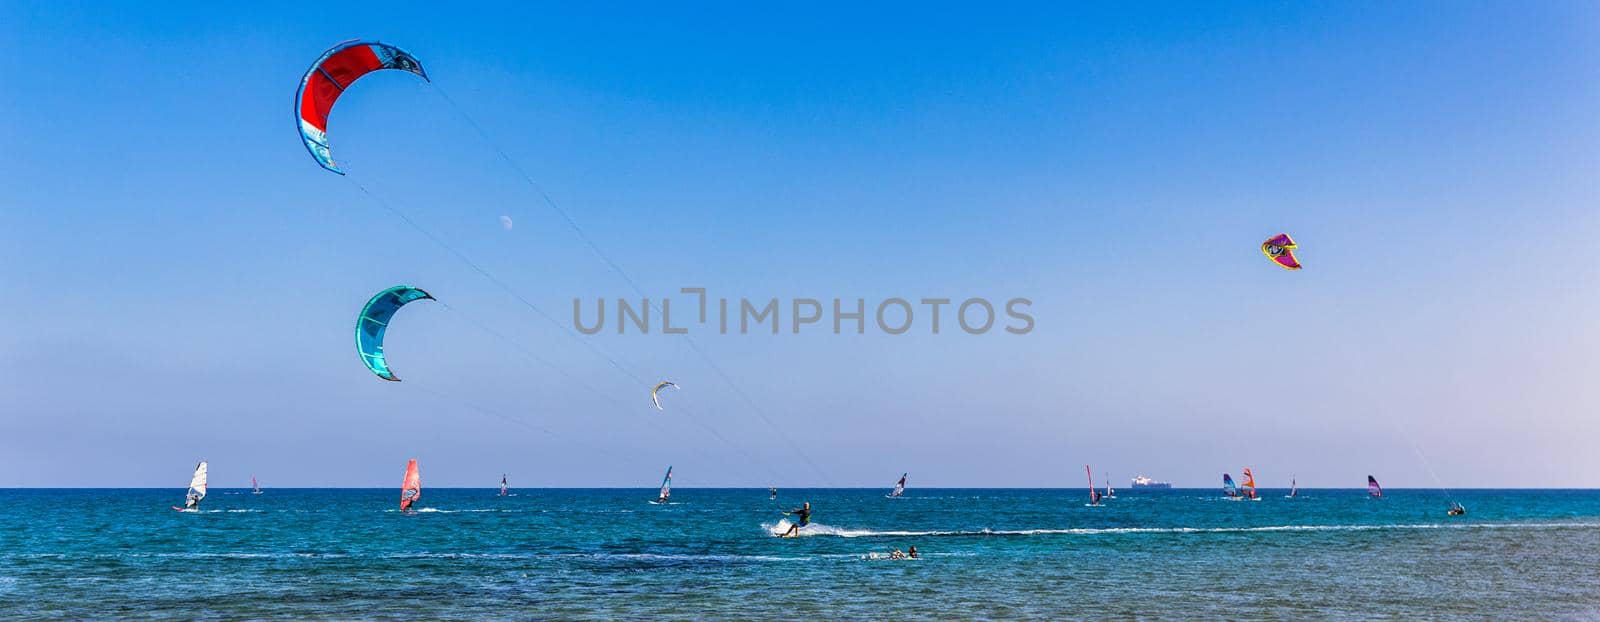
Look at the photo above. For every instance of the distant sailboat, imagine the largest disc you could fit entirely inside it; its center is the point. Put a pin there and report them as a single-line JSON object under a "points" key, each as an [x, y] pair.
{"points": [[666, 488], [899, 487], [1110, 493], [254, 488], [1094, 495], [1249, 491], [1229, 489], [504, 490], [411, 488], [1373, 489], [1294, 489], [197, 490]]}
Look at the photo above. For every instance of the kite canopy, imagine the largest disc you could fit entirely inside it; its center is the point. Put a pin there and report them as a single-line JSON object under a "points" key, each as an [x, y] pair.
{"points": [[335, 71], [1280, 249], [374, 320], [655, 394]]}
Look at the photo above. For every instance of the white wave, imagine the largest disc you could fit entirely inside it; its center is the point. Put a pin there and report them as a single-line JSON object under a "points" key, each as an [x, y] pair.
{"points": [[216, 511], [686, 557], [816, 529]]}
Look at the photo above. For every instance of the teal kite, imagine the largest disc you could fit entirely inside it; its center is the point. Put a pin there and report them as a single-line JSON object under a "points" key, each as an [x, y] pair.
{"points": [[374, 320]]}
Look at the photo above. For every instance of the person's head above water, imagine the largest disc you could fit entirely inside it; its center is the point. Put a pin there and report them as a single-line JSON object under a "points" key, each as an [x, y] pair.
{"points": [[806, 505]]}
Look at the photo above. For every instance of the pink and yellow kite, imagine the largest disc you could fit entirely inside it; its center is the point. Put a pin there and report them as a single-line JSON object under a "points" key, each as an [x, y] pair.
{"points": [[1280, 249]]}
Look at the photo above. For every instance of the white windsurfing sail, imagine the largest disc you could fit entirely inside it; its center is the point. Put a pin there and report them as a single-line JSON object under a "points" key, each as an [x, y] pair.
{"points": [[1294, 488], [197, 487], [900, 486], [666, 487], [503, 488]]}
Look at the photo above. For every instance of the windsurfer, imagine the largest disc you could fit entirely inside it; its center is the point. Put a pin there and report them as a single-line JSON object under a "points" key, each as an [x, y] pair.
{"points": [[912, 552], [803, 518]]}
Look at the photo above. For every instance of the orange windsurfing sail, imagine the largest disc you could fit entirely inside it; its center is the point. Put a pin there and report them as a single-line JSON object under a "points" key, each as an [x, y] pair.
{"points": [[411, 489], [1249, 484]]}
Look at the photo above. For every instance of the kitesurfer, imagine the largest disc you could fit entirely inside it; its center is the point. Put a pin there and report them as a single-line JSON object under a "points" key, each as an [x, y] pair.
{"points": [[912, 553], [1456, 509], [803, 518]]}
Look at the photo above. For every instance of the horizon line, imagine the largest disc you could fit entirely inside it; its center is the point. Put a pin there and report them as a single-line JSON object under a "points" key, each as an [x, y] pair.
{"points": [[762, 488]]}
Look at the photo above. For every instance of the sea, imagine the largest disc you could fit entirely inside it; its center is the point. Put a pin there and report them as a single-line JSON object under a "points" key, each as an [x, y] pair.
{"points": [[575, 554]]}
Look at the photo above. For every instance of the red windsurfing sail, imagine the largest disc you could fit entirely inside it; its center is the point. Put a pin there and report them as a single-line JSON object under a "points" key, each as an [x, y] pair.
{"points": [[1249, 484], [1094, 495], [411, 488]]}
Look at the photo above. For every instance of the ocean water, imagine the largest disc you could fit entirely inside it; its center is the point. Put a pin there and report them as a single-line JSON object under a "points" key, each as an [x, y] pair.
{"points": [[598, 554]]}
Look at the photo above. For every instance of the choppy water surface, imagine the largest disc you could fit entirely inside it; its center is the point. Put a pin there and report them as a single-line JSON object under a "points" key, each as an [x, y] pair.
{"points": [[986, 554]]}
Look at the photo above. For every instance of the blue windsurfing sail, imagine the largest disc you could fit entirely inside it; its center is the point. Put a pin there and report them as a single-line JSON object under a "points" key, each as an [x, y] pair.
{"points": [[666, 487], [1227, 486]]}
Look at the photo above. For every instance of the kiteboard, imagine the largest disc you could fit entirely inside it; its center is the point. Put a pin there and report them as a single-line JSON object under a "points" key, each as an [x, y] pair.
{"points": [[178, 509]]}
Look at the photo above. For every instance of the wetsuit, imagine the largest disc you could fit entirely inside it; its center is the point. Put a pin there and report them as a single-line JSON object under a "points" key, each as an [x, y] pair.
{"points": [[803, 514]]}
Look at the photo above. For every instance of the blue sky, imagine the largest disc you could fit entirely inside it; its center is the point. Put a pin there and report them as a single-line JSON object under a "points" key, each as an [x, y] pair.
{"points": [[183, 279]]}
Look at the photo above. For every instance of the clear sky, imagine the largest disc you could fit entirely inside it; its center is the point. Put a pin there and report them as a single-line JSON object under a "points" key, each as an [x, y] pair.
{"points": [[183, 280]]}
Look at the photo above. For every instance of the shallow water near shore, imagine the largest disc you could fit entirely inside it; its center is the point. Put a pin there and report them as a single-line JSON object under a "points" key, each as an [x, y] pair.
{"points": [[575, 553]]}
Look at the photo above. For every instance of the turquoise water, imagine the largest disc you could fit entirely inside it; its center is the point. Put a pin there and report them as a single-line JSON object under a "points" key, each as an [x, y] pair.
{"points": [[609, 553]]}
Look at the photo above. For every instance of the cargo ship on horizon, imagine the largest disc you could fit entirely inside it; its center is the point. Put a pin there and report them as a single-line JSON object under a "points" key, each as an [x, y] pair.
{"points": [[1145, 482]]}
